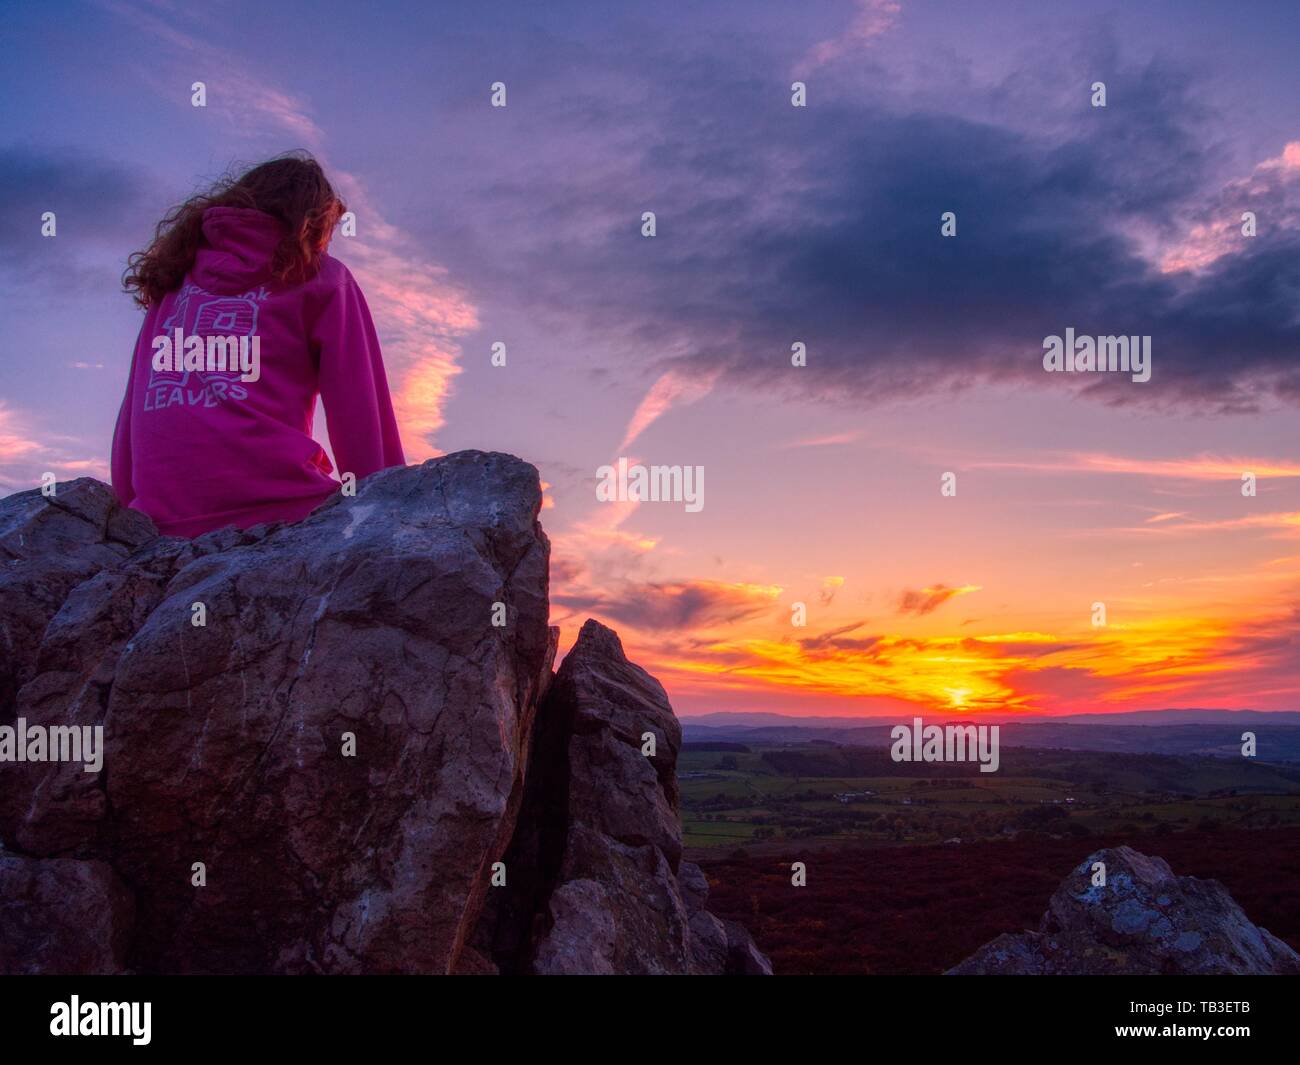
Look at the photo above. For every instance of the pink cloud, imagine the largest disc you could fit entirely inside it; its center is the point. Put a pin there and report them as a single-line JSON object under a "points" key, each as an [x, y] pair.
{"points": [[25, 455], [1269, 191], [874, 18], [672, 388], [1197, 468]]}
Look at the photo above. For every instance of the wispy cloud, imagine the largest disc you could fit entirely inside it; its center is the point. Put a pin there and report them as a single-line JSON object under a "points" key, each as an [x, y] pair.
{"points": [[928, 600], [15, 439], [839, 639], [1196, 468], [873, 19], [830, 440], [830, 588], [679, 605], [1271, 191], [1285, 521], [26, 453], [672, 388]]}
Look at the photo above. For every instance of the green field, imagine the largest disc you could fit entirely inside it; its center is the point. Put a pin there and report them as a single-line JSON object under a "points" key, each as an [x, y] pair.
{"points": [[736, 799]]}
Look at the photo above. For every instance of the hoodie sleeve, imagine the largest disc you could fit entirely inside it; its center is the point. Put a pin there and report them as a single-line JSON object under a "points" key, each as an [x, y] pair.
{"points": [[353, 386], [120, 461]]}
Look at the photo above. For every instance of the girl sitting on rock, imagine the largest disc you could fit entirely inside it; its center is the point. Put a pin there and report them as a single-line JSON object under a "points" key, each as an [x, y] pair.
{"points": [[247, 321]]}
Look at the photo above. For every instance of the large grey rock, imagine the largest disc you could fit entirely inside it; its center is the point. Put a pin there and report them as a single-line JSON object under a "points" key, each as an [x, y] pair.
{"points": [[1145, 920], [48, 546], [224, 743]]}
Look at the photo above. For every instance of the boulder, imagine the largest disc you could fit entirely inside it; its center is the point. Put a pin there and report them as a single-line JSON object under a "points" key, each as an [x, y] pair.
{"points": [[48, 546], [1143, 920], [316, 778], [599, 885]]}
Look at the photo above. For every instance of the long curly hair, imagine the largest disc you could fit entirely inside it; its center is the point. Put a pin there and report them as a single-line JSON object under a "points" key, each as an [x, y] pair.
{"points": [[292, 188]]}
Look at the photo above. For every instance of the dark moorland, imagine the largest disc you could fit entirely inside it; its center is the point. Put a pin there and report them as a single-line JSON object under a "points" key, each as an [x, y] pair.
{"points": [[921, 909]]}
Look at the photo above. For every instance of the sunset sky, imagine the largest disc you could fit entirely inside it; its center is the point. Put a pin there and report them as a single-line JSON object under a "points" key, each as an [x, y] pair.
{"points": [[776, 225]]}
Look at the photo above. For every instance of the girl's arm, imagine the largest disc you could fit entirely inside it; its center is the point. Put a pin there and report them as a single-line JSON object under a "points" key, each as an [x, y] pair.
{"points": [[353, 386], [120, 463]]}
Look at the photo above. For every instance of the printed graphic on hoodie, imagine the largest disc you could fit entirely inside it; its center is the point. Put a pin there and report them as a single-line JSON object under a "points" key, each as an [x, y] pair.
{"points": [[204, 314]]}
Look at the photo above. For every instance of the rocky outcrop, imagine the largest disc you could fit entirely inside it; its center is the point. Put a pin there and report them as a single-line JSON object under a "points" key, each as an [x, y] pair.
{"points": [[317, 776], [599, 885], [48, 546], [1143, 920], [316, 738]]}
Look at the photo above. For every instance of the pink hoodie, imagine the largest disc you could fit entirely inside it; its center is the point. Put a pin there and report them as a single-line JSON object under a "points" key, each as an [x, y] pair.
{"points": [[202, 449]]}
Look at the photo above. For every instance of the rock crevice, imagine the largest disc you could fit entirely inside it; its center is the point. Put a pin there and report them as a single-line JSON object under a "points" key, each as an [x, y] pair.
{"points": [[599, 882]]}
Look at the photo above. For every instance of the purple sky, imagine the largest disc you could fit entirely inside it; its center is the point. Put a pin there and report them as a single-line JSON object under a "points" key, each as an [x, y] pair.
{"points": [[775, 224]]}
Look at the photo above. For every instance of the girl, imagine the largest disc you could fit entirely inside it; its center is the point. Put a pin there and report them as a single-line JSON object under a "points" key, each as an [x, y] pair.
{"points": [[247, 321]]}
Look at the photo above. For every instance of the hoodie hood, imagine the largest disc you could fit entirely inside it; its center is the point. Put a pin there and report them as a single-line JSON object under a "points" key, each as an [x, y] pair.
{"points": [[239, 245]]}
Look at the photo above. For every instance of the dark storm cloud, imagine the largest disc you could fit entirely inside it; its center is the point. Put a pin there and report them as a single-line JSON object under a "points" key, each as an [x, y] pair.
{"points": [[839, 640], [823, 225], [103, 211], [676, 605], [925, 601]]}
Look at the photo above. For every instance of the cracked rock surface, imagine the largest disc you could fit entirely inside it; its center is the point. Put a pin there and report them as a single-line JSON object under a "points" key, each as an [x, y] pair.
{"points": [[1143, 920], [599, 883], [224, 743]]}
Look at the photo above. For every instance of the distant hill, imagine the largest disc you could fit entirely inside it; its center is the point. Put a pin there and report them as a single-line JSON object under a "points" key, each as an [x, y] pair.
{"points": [[1216, 733], [1127, 717], [761, 720], [1185, 717]]}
